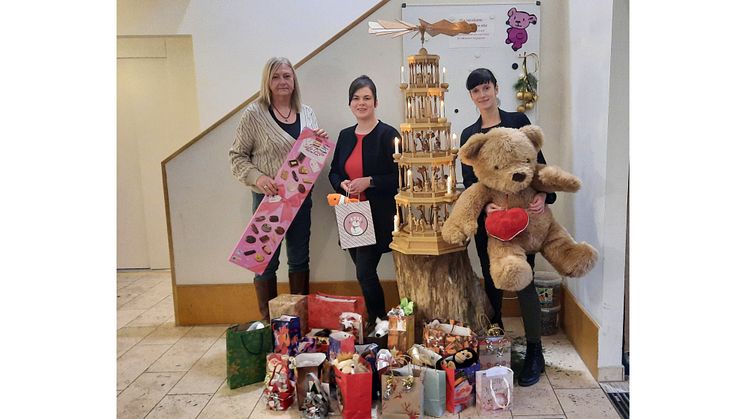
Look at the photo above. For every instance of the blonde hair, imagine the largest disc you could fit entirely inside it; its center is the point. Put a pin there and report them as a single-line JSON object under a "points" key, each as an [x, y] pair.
{"points": [[265, 95]]}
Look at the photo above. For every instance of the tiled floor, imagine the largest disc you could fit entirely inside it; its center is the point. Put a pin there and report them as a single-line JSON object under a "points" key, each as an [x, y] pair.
{"points": [[165, 371]]}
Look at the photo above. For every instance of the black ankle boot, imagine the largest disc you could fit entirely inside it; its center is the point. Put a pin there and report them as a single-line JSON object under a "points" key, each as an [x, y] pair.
{"points": [[533, 365]]}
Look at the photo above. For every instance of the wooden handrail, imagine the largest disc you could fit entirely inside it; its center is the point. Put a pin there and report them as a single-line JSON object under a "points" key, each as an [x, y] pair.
{"points": [[296, 66]]}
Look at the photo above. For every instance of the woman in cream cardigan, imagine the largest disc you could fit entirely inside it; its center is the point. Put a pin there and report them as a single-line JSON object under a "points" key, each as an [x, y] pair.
{"points": [[265, 135]]}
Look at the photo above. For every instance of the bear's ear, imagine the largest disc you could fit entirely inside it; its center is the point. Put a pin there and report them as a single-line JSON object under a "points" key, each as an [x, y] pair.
{"points": [[511, 11], [470, 151], [535, 134]]}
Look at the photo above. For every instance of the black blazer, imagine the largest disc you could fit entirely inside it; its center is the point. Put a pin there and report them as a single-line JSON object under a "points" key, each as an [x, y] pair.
{"points": [[378, 163], [508, 120]]}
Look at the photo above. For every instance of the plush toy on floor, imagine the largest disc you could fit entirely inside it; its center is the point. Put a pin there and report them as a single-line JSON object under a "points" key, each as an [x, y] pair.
{"points": [[504, 160]]}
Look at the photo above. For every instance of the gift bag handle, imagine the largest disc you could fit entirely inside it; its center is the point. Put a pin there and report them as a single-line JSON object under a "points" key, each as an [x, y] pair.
{"points": [[508, 392], [261, 345], [315, 380]]}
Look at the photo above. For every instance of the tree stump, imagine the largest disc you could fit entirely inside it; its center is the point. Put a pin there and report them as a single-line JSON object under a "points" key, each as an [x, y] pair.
{"points": [[443, 287]]}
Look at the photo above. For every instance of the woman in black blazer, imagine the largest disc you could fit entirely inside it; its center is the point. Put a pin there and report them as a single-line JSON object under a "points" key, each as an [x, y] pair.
{"points": [[363, 165]]}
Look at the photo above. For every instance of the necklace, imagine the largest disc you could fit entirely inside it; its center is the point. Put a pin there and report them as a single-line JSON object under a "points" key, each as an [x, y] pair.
{"points": [[281, 115]]}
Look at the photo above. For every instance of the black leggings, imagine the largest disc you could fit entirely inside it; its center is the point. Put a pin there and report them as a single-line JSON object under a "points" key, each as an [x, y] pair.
{"points": [[528, 299], [366, 260]]}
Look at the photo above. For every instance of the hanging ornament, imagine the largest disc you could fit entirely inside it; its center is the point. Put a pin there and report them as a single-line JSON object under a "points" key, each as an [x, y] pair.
{"points": [[527, 84]]}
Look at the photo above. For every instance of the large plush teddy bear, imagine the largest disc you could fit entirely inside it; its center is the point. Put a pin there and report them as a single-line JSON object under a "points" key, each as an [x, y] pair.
{"points": [[504, 160]]}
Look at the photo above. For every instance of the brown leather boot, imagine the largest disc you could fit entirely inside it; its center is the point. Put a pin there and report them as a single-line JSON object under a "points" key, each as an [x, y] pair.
{"points": [[299, 282], [266, 289]]}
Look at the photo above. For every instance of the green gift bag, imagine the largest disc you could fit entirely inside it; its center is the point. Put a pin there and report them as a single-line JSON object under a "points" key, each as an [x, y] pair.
{"points": [[246, 353]]}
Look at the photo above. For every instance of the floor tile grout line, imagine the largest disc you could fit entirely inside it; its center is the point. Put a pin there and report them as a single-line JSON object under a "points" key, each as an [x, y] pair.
{"points": [[197, 361]]}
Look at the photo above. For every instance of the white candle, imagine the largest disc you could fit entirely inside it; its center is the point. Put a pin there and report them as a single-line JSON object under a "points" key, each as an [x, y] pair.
{"points": [[396, 223], [443, 108], [396, 145], [448, 186], [444, 75], [409, 109], [453, 141], [402, 74], [409, 178]]}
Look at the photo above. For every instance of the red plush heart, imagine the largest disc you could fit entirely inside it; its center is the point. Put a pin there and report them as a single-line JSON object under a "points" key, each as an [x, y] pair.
{"points": [[505, 225]]}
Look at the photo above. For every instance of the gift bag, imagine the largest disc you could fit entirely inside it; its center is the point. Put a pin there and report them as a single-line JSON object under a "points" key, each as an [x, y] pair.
{"points": [[434, 381], [354, 393], [401, 332], [448, 338], [460, 384], [309, 363], [286, 332], [494, 389], [355, 224], [292, 305], [279, 390], [316, 402], [494, 345], [324, 310], [402, 392], [352, 323], [246, 349], [340, 342], [369, 352]]}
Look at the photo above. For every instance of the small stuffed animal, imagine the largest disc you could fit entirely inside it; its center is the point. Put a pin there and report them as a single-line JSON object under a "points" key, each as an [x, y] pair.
{"points": [[518, 22], [335, 199], [461, 359], [504, 160], [349, 364], [381, 329]]}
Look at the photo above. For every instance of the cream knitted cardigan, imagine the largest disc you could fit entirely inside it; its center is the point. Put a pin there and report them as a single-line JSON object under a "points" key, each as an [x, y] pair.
{"points": [[260, 145]]}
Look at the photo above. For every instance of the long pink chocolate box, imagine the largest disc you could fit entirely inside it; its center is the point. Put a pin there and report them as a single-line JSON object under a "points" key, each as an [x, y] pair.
{"points": [[274, 214]]}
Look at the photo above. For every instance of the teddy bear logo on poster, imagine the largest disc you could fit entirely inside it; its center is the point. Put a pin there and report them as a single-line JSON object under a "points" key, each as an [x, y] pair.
{"points": [[355, 224], [518, 22]]}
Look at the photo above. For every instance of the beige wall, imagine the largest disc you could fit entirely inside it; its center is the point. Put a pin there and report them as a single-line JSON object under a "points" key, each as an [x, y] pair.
{"points": [[156, 112]]}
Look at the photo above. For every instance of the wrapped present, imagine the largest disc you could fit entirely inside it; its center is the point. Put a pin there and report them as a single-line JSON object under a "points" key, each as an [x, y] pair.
{"points": [[352, 323], [321, 339], [460, 384], [401, 326], [402, 392], [286, 331], [246, 349], [494, 388], [324, 309], [340, 342], [448, 338], [292, 305], [279, 390]]}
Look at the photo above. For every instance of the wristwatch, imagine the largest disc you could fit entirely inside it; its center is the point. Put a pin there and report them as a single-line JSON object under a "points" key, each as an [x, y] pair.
{"points": [[372, 185]]}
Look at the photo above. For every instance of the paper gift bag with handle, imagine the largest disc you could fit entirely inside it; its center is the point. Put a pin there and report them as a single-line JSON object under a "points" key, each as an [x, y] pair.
{"points": [[355, 224], [494, 389], [448, 338], [246, 349], [494, 345], [354, 392], [324, 309], [292, 305], [402, 392]]}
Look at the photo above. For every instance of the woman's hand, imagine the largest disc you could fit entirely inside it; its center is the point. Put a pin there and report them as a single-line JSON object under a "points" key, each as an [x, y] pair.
{"points": [[492, 207], [359, 185], [267, 185], [321, 133], [345, 185], [537, 204]]}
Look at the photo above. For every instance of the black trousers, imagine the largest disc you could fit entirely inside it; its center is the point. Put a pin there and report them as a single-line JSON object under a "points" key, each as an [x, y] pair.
{"points": [[366, 260], [528, 299]]}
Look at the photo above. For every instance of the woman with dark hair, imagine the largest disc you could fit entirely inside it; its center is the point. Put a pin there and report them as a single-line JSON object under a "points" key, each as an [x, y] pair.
{"points": [[363, 165], [483, 90], [266, 132]]}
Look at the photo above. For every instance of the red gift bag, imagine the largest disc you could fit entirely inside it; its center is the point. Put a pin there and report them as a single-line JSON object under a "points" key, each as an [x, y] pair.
{"points": [[324, 309], [354, 393], [460, 384]]}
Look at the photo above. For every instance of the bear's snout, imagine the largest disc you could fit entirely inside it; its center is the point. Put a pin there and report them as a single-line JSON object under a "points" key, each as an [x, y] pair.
{"points": [[519, 177]]}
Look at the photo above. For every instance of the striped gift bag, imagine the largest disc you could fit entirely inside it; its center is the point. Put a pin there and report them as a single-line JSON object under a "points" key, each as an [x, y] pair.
{"points": [[355, 224]]}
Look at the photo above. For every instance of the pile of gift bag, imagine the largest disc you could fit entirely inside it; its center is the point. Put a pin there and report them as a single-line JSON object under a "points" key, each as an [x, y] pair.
{"points": [[315, 351]]}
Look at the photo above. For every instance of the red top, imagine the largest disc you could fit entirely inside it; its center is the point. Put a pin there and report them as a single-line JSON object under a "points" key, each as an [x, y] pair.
{"points": [[354, 163]]}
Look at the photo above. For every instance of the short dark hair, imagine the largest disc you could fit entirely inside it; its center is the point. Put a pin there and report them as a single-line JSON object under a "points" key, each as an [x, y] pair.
{"points": [[480, 76], [359, 83]]}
